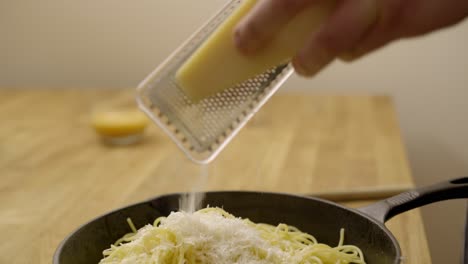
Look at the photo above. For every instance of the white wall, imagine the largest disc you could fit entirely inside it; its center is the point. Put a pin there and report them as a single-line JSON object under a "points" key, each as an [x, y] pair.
{"points": [[115, 43], [89, 43]]}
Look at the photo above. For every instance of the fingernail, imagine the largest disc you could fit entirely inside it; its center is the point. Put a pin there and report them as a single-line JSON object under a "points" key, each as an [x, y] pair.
{"points": [[308, 65], [348, 56], [299, 67], [238, 41], [247, 46], [352, 55]]}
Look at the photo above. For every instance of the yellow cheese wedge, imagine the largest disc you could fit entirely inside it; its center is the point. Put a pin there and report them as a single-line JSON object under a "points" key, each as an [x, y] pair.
{"points": [[217, 64], [119, 123]]}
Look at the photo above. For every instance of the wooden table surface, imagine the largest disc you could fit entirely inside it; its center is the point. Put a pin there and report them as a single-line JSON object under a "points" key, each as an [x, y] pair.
{"points": [[56, 174]]}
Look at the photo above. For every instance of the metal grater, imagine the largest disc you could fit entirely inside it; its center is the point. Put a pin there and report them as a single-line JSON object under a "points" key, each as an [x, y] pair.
{"points": [[201, 130]]}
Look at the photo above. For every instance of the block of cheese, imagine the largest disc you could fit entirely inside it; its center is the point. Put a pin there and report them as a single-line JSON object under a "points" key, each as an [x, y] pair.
{"points": [[119, 123], [217, 65]]}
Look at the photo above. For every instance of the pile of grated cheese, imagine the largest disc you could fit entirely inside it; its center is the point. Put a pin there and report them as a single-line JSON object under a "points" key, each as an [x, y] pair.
{"points": [[207, 238], [213, 236]]}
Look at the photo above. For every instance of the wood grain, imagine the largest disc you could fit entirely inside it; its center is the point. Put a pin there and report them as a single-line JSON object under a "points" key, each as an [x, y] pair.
{"points": [[55, 174]]}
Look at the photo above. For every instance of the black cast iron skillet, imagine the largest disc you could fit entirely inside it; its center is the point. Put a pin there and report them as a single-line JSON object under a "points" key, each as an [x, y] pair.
{"points": [[364, 227]]}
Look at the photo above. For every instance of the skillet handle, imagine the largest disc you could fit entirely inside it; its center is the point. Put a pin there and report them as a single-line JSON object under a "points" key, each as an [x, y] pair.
{"points": [[386, 209]]}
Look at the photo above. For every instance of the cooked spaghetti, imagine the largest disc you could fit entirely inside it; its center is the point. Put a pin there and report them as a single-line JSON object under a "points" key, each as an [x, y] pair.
{"points": [[213, 236]]}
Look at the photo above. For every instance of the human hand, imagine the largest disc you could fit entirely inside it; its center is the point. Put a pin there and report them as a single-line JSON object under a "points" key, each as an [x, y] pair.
{"points": [[353, 29]]}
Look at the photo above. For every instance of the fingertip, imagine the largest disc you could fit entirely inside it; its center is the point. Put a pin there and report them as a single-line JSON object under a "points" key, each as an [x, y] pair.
{"points": [[258, 28], [305, 69], [312, 58], [238, 42], [246, 39], [298, 67], [349, 57]]}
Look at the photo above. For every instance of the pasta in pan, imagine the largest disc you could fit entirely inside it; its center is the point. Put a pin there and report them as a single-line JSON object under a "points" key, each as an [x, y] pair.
{"points": [[212, 235]]}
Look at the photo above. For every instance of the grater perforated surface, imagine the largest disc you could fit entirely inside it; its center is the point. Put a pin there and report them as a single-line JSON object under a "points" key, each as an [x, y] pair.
{"points": [[204, 128]]}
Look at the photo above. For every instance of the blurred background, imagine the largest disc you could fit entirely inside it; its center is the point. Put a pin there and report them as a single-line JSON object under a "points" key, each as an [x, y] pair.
{"points": [[112, 44]]}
